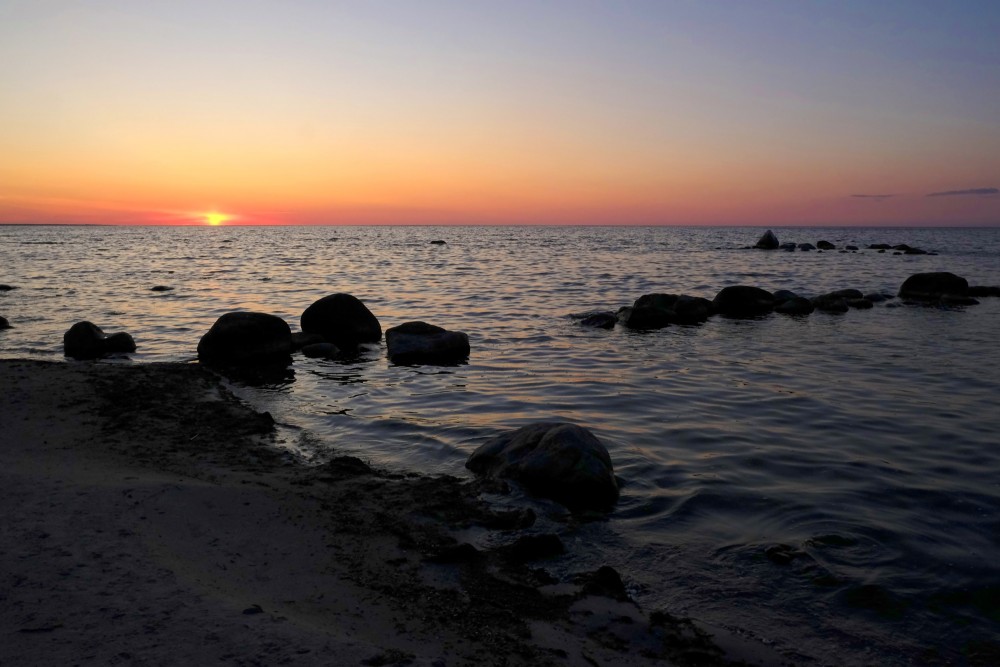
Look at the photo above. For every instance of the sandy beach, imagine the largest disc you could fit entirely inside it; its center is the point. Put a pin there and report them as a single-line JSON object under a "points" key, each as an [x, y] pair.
{"points": [[148, 518]]}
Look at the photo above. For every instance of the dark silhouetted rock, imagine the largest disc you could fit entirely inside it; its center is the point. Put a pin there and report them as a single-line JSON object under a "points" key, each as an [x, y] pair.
{"points": [[788, 247], [983, 290], [561, 461], [605, 320], [343, 320], [879, 297], [831, 303], [915, 251], [160, 288], [300, 339], [958, 300], [605, 582], [655, 311], [805, 247], [860, 304], [86, 340], [320, 350], [246, 338], [422, 343], [6, 288], [534, 547], [933, 286], [743, 301], [902, 247], [768, 241], [783, 295], [4, 324], [880, 246], [846, 294], [796, 305], [852, 248], [825, 245], [439, 242]]}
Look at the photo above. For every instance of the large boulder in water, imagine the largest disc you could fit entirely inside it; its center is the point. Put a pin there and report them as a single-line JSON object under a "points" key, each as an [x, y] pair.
{"points": [[743, 301], [86, 340], [242, 338], [343, 320], [557, 460], [825, 245], [933, 286], [655, 311], [768, 241], [422, 343]]}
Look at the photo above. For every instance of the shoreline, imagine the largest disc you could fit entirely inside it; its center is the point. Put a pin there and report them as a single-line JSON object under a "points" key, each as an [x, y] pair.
{"points": [[151, 519]]}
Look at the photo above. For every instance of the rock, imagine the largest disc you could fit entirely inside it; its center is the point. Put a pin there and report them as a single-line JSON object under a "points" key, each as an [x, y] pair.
{"points": [[788, 247], [246, 338], [743, 301], [915, 251], [439, 242], [160, 288], [860, 304], [557, 460], [902, 247], [300, 339], [422, 343], [797, 305], [86, 340], [805, 247], [831, 303], [958, 300], [825, 245], [882, 250], [879, 297], [983, 290], [320, 350], [880, 246], [846, 294], [603, 320], [4, 324], [6, 288], [605, 582], [655, 311], [852, 248], [343, 320], [783, 295], [768, 241], [534, 547], [933, 286]]}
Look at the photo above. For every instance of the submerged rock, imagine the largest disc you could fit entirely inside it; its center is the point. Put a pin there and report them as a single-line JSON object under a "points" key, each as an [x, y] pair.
{"points": [[788, 247], [796, 305], [983, 290], [602, 320], [320, 350], [933, 286], [880, 246], [343, 320], [86, 340], [161, 288], [4, 324], [6, 288], [743, 301], [655, 311], [422, 343], [806, 247], [825, 245], [767, 242], [556, 460], [243, 337], [831, 303]]}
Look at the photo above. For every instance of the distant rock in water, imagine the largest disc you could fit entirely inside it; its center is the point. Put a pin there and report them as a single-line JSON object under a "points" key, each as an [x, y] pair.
{"points": [[767, 242], [86, 340], [832, 302], [795, 305], [983, 290], [246, 338], [422, 343], [788, 247], [915, 251], [160, 288], [300, 339], [933, 286], [880, 246], [806, 247], [4, 324], [602, 320], [656, 311], [342, 320], [6, 288], [852, 248], [743, 301], [556, 460], [825, 245], [439, 242]]}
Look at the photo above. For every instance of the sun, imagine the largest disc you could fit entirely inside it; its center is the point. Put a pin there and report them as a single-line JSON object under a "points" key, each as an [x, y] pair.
{"points": [[214, 218]]}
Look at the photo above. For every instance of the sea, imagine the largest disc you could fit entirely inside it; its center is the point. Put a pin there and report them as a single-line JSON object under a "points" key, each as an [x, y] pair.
{"points": [[827, 486]]}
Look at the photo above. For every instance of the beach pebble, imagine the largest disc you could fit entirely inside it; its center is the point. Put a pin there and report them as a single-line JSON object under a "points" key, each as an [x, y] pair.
{"points": [[422, 343], [343, 320], [743, 301], [556, 460], [245, 337]]}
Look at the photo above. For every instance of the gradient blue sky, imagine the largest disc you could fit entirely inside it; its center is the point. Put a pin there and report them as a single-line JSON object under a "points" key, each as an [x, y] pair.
{"points": [[756, 112]]}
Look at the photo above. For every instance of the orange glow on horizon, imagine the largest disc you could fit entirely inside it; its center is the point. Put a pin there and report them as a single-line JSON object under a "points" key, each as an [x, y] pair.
{"points": [[214, 218]]}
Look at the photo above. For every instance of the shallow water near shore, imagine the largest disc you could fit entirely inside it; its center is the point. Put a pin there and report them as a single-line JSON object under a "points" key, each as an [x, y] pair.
{"points": [[865, 442]]}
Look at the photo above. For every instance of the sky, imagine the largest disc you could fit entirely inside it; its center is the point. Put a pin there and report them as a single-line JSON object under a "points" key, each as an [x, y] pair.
{"points": [[674, 112]]}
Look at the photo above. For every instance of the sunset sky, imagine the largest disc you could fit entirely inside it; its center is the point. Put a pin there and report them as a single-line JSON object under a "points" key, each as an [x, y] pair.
{"points": [[751, 112]]}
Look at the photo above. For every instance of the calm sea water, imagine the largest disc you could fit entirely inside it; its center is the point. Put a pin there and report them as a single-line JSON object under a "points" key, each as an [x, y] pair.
{"points": [[866, 441]]}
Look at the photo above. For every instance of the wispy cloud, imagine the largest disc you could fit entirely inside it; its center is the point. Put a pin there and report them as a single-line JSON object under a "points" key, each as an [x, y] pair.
{"points": [[874, 197], [961, 193]]}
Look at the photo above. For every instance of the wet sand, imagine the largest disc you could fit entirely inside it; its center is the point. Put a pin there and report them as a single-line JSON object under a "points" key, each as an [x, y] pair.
{"points": [[148, 518]]}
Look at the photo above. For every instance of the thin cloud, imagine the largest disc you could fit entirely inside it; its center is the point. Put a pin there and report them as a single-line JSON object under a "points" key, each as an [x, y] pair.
{"points": [[874, 197], [962, 193]]}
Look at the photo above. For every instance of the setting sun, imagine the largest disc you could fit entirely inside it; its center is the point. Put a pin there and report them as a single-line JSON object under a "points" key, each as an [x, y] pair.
{"points": [[214, 219]]}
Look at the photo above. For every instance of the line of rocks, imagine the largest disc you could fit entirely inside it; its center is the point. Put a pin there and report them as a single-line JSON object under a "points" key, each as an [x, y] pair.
{"points": [[659, 310], [769, 241]]}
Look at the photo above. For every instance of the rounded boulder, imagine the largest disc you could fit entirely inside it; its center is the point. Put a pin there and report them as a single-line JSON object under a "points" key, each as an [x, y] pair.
{"points": [[422, 343], [245, 337], [933, 286], [556, 460], [743, 301], [343, 320]]}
